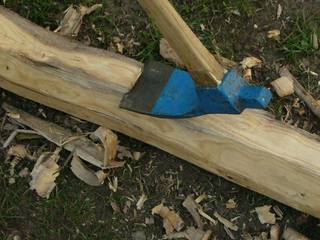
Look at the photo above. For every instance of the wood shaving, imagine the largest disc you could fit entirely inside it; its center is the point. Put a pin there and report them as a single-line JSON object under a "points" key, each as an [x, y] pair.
{"points": [[206, 216], [44, 173], [192, 206], [171, 220], [291, 234], [226, 222], [250, 62], [274, 34], [141, 201], [73, 17], [191, 234], [85, 174], [264, 215], [275, 232]]}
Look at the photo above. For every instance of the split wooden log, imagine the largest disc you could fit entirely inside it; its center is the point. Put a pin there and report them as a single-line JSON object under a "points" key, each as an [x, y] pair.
{"points": [[251, 149]]}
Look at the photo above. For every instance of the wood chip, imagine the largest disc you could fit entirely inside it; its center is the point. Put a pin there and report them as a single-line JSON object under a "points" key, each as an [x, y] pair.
{"points": [[264, 215], [141, 201], [283, 86], [231, 204], [226, 222], [250, 62], [110, 143], [73, 18], [274, 34], [206, 216], [44, 173], [171, 220], [291, 234], [85, 174], [191, 234], [192, 206]]}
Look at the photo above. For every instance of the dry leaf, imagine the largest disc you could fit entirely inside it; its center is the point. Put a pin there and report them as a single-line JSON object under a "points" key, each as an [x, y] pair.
{"points": [[231, 204], [86, 174], [191, 234], [168, 53], [141, 201], [171, 220], [192, 206], [283, 86], [291, 234], [264, 215], [44, 173], [226, 222], [274, 34], [275, 232], [72, 20], [250, 62]]}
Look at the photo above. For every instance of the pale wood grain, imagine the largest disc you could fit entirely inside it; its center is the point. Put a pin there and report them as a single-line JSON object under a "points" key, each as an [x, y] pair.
{"points": [[251, 149], [200, 62]]}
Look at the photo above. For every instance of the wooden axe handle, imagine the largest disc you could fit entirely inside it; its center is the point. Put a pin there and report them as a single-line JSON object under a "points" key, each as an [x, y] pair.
{"points": [[202, 65]]}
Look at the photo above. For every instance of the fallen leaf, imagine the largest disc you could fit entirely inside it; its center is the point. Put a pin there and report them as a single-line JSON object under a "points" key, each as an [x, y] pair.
{"points": [[171, 220], [291, 234], [141, 201], [250, 62], [274, 34], [226, 222], [191, 234], [283, 86], [264, 215], [44, 173], [192, 206], [73, 18], [85, 174], [231, 204]]}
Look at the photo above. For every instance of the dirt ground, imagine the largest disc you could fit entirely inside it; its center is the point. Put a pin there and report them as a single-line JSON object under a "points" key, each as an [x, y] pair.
{"points": [[232, 28]]}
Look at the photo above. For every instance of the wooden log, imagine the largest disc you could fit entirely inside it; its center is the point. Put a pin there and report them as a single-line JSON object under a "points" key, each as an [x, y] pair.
{"points": [[251, 149]]}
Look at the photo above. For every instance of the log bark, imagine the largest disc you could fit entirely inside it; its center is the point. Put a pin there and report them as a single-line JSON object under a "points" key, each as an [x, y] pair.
{"points": [[251, 149]]}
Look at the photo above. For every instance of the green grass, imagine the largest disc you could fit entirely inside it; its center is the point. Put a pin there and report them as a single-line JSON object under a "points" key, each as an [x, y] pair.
{"points": [[298, 41]]}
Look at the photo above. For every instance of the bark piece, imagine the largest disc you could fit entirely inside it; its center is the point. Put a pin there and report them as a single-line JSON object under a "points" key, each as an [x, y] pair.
{"points": [[44, 173], [171, 220], [192, 206]]}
